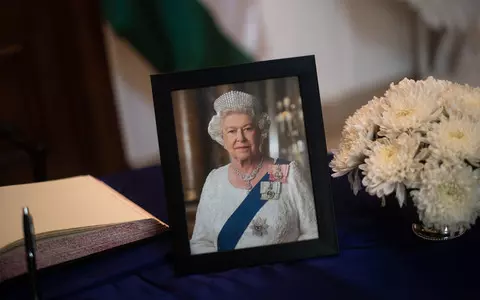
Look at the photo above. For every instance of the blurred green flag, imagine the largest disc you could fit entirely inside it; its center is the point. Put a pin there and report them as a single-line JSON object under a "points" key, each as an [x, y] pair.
{"points": [[177, 35]]}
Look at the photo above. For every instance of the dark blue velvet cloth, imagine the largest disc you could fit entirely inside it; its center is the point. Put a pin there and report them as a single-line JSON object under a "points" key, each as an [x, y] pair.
{"points": [[380, 258]]}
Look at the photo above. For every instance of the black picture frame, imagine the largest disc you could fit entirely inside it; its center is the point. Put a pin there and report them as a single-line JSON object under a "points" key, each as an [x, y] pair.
{"points": [[304, 68]]}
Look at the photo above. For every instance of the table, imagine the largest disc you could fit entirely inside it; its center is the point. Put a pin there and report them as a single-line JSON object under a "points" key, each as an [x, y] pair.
{"points": [[380, 258]]}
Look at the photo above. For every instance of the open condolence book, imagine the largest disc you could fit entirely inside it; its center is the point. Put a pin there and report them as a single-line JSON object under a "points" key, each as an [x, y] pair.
{"points": [[73, 218]]}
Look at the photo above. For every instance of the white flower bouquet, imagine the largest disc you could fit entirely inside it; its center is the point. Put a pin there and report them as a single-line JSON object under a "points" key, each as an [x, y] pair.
{"points": [[420, 140]]}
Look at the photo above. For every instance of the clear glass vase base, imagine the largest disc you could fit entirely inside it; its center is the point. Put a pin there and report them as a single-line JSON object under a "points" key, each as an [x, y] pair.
{"points": [[434, 234]]}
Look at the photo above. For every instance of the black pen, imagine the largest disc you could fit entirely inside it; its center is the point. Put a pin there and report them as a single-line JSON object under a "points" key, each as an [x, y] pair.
{"points": [[30, 251]]}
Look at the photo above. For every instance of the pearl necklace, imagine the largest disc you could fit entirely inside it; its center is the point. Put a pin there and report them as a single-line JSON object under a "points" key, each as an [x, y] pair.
{"points": [[249, 177]]}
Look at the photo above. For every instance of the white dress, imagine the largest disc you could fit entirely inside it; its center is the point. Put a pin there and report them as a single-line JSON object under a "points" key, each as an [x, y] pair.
{"points": [[289, 218]]}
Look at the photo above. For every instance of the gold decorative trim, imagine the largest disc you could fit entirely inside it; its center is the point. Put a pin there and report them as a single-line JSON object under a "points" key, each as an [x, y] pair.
{"points": [[190, 194]]}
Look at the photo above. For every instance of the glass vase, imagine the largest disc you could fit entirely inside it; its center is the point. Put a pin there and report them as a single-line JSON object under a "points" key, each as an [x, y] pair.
{"points": [[428, 233], [432, 234]]}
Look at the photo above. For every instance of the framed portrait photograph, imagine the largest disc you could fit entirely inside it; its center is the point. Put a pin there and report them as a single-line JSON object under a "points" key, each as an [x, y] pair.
{"points": [[244, 157]]}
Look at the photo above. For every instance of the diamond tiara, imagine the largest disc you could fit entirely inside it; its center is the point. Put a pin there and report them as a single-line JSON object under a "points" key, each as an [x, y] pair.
{"points": [[236, 100]]}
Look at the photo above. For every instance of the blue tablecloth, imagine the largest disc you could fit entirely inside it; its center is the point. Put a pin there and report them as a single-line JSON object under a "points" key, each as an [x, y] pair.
{"points": [[380, 258]]}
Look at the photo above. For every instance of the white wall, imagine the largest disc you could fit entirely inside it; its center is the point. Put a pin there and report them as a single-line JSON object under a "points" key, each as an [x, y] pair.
{"points": [[357, 43]]}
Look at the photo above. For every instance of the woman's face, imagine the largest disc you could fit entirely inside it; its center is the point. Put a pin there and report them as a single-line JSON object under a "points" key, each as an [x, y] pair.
{"points": [[240, 136]]}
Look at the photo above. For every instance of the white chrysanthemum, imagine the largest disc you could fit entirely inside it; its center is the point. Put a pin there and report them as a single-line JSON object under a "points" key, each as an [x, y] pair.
{"points": [[448, 196], [357, 132], [452, 94], [350, 153], [462, 100], [392, 165], [456, 138], [368, 115], [411, 105]]}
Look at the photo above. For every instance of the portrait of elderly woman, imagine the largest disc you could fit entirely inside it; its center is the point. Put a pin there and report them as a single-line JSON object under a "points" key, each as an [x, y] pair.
{"points": [[254, 200]]}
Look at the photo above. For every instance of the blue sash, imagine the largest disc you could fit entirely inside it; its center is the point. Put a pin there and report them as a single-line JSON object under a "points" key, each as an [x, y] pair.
{"points": [[235, 226]]}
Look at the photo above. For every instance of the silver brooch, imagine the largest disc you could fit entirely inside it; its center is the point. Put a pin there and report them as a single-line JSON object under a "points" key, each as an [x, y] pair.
{"points": [[259, 226], [270, 190]]}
